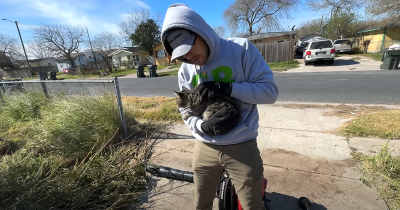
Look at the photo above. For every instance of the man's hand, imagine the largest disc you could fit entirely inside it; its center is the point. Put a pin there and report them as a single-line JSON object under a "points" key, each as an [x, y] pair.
{"points": [[221, 122], [207, 89]]}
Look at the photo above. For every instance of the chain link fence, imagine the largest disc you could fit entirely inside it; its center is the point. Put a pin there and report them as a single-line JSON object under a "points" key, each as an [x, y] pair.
{"points": [[67, 88]]}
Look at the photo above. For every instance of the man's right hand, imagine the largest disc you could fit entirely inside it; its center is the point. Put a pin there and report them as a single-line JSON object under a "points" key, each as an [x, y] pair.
{"points": [[220, 123]]}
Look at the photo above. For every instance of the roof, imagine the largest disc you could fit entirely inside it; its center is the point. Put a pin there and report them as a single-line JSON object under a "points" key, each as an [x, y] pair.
{"points": [[271, 34], [374, 26], [125, 49]]}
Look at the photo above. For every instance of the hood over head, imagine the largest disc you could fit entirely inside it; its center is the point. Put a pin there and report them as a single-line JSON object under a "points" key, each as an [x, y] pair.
{"points": [[178, 42]]}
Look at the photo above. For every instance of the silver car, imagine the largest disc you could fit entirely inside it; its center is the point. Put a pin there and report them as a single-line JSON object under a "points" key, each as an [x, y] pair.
{"points": [[343, 45], [319, 50]]}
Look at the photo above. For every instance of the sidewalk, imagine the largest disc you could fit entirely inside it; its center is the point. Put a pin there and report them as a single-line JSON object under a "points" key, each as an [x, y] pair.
{"points": [[146, 72], [300, 159]]}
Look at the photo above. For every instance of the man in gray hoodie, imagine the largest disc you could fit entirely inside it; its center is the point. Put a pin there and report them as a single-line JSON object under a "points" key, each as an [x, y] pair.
{"points": [[233, 67]]}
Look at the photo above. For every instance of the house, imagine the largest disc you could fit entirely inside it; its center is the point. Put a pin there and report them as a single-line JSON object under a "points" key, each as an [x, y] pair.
{"points": [[272, 37], [50, 64], [378, 37], [161, 56], [128, 56]]}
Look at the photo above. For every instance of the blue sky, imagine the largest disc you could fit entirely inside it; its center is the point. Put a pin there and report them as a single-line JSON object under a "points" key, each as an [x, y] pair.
{"points": [[104, 15]]}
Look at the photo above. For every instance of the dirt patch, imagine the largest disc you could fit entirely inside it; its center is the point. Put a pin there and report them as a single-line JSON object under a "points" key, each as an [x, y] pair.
{"points": [[295, 161], [342, 111]]}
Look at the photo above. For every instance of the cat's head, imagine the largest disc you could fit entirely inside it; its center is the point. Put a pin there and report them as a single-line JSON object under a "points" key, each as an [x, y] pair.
{"points": [[181, 98]]}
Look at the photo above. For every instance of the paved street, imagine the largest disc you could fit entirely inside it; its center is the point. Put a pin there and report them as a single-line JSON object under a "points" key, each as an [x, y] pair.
{"points": [[369, 87]]}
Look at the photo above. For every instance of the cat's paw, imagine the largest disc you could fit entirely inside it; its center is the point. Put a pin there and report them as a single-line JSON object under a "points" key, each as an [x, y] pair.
{"points": [[186, 116]]}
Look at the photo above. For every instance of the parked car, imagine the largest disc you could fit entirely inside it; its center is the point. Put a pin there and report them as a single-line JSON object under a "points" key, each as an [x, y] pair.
{"points": [[319, 50], [343, 45], [66, 70], [300, 48]]}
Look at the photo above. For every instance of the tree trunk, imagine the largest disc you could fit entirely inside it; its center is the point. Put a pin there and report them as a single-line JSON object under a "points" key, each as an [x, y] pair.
{"points": [[105, 58], [71, 61]]}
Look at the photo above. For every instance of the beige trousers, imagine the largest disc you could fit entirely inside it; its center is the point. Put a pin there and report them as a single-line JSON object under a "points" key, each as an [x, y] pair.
{"points": [[243, 164]]}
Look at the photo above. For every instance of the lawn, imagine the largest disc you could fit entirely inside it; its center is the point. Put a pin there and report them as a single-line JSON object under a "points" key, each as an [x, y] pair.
{"points": [[283, 66]]}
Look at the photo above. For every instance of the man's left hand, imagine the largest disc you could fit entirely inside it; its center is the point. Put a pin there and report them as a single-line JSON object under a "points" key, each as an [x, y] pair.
{"points": [[206, 89]]}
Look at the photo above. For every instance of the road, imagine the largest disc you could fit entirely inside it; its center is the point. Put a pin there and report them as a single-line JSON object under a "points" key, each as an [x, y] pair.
{"points": [[364, 87]]}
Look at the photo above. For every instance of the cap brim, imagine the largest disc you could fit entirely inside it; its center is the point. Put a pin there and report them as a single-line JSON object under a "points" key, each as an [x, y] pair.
{"points": [[184, 48]]}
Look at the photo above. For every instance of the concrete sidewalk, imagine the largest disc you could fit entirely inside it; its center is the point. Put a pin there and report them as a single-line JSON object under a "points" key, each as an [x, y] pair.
{"points": [[300, 159]]}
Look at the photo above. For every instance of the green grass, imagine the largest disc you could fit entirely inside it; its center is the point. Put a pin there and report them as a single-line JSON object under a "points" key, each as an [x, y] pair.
{"points": [[382, 171], [169, 74], [283, 66], [374, 56], [384, 124], [69, 153]]}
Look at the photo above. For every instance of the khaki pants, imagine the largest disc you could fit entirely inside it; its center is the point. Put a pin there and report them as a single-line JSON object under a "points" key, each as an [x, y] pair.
{"points": [[244, 166]]}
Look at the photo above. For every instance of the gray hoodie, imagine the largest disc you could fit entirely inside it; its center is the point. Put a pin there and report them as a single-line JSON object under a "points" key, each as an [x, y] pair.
{"points": [[234, 60]]}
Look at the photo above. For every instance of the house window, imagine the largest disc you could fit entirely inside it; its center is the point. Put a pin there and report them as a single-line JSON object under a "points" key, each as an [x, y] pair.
{"points": [[135, 57], [160, 53]]}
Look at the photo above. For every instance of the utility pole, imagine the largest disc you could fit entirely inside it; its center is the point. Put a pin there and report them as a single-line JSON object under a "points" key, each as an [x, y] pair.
{"points": [[16, 23], [94, 56]]}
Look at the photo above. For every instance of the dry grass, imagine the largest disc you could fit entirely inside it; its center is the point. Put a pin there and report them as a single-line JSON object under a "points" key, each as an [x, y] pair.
{"points": [[153, 108], [384, 124], [341, 111], [382, 171]]}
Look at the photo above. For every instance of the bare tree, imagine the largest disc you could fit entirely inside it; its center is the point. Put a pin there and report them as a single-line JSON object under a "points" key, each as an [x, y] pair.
{"points": [[315, 26], [254, 16], [62, 40], [333, 6], [39, 49], [133, 19], [384, 9], [106, 42], [9, 51], [221, 31]]}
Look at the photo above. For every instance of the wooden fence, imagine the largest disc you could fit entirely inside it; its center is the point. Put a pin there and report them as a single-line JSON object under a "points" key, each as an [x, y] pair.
{"points": [[277, 52]]}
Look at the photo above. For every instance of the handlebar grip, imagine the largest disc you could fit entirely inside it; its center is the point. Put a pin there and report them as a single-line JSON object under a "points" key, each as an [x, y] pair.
{"points": [[170, 173]]}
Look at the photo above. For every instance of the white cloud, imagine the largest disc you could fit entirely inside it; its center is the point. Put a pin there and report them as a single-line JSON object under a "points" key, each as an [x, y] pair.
{"points": [[139, 3]]}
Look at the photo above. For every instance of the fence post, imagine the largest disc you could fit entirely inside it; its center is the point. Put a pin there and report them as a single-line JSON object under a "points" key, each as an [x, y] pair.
{"points": [[120, 108], [44, 87]]}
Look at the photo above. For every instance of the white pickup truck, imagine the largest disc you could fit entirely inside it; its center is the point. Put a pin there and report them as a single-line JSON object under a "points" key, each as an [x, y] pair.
{"points": [[343, 45]]}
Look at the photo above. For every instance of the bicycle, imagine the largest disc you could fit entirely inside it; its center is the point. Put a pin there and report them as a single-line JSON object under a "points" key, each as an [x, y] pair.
{"points": [[227, 198]]}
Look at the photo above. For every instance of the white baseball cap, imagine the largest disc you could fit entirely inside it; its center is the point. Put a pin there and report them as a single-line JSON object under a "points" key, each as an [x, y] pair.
{"points": [[181, 41]]}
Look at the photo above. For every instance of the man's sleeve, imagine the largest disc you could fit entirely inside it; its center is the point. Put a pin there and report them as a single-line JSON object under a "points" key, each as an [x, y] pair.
{"points": [[260, 87]]}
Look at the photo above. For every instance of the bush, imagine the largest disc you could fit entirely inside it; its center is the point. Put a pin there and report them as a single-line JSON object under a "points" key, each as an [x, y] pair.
{"points": [[67, 153], [356, 50]]}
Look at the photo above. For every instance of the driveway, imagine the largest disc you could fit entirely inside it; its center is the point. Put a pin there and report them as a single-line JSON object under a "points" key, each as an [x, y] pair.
{"points": [[342, 63]]}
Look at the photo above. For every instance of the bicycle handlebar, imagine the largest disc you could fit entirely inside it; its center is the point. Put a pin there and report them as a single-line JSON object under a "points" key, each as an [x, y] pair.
{"points": [[170, 173]]}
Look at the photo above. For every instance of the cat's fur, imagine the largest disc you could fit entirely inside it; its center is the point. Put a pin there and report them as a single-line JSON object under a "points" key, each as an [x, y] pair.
{"points": [[205, 109]]}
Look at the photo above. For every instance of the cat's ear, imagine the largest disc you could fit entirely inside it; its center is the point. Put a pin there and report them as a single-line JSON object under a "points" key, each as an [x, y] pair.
{"points": [[178, 94], [184, 88]]}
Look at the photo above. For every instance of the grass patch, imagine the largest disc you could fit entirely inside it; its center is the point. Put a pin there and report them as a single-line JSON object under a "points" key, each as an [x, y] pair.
{"points": [[169, 74], [384, 124], [383, 172], [68, 153], [161, 67], [374, 56], [175, 66], [153, 108], [283, 66]]}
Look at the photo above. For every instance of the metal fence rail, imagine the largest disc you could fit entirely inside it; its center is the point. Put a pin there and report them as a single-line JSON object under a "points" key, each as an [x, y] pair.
{"points": [[67, 88], [276, 52]]}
